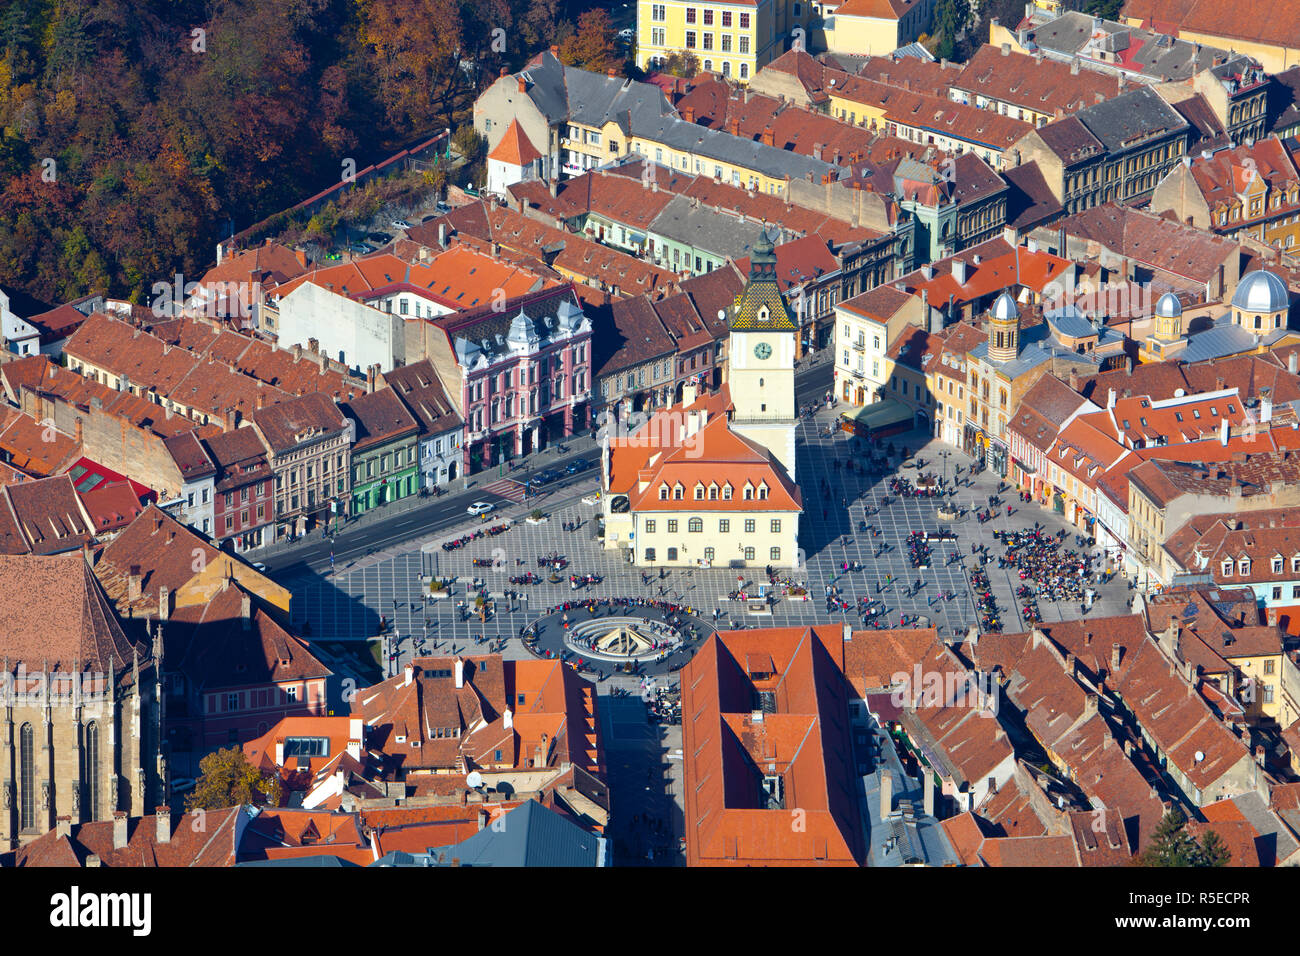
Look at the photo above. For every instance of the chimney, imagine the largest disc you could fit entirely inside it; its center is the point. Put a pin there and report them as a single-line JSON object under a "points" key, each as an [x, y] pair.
{"points": [[769, 137], [733, 126], [1074, 67], [164, 817], [1116, 655], [119, 829], [460, 672], [1223, 432], [886, 794], [297, 352], [508, 719], [523, 84], [79, 431], [959, 271], [370, 379], [1293, 363], [1110, 398], [553, 187], [1090, 703], [817, 151], [164, 603], [408, 675], [927, 791], [63, 826], [246, 611], [442, 235], [688, 114], [134, 583]]}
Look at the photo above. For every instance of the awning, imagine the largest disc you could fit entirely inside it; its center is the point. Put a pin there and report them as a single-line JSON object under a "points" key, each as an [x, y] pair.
{"points": [[879, 415]]}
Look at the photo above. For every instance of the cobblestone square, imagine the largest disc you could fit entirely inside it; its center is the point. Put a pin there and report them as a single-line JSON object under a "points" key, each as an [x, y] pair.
{"points": [[347, 604]]}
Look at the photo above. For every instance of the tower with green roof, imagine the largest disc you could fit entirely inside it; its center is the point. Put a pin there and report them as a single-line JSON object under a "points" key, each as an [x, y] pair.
{"points": [[760, 359]]}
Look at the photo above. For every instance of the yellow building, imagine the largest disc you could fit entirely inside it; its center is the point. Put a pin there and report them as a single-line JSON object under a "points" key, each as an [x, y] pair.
{"points": [[871, 27], [735, 40]]}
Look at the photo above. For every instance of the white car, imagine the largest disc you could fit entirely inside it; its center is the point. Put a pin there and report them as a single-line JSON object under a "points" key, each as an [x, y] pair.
{"points": [[480, 508], [591, 499], [401, 224]]}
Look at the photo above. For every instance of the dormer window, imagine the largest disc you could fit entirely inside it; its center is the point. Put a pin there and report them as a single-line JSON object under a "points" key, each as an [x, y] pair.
{"points": [[762, 491], [1227, 567], [678, 491], [1243, 566], [663, 492], [763, 314], [726, 492], [713, 491], [1295, 564], [748, 494], [699, 491]]}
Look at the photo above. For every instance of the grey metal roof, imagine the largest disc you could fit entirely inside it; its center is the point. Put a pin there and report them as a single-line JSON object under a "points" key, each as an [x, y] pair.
{"points": [[706, 228], [776, 163], [1157, 56], [915, 50], [566, 93], [1134, 115], [1223, 338], [1070, 321], [529, 835]]}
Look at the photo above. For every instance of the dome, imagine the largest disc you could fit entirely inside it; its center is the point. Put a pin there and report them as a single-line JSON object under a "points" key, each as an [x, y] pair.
{"points": [[1004, 309], [1168, 306], [1261, 291]]}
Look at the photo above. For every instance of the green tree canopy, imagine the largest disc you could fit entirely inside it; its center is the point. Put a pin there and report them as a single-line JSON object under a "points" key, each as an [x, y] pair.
{"points": [[227, 779]]}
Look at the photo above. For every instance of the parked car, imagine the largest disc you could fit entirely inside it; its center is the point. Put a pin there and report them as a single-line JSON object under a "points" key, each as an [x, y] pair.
{"points": [[379, 238], [259, 566], [400, 224], [591, 499], [480, 508], [442, 208]]}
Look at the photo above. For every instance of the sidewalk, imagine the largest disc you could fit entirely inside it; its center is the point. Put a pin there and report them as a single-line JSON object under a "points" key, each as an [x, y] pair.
{"points": [[458, 489]]}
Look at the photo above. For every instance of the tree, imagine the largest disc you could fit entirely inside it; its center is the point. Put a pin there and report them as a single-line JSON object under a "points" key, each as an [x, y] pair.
{"points": [[227, 779], [682, 63], [591, 46], [1172, 846]]}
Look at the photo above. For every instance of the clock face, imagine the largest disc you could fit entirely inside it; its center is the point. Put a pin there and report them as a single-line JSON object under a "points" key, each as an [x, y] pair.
{"points": [[762, 350]]}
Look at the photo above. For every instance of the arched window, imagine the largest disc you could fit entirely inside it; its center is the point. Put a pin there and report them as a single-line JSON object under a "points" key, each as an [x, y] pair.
{"points": [[26, 778], [695, 525], [92, 771]]}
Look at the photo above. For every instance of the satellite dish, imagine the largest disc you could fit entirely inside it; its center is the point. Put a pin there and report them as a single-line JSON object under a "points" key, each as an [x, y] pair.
{"points": [[474, 780], [722, 315], [1200, 755]]}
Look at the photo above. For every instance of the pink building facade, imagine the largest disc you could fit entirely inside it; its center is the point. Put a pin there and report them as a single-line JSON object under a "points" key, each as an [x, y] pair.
{"points": [[525, 374]]}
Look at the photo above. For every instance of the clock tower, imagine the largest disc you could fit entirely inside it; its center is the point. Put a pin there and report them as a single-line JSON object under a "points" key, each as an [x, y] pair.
{"points": [[760, 359]]}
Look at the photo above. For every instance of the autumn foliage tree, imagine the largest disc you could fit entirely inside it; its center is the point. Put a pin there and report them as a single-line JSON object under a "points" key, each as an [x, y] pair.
{"points": [[591, 44], [135, 134], [227, 779]]}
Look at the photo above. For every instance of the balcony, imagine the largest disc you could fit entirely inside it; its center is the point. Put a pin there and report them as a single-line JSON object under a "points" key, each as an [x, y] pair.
{"points": [[860, 346]]}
